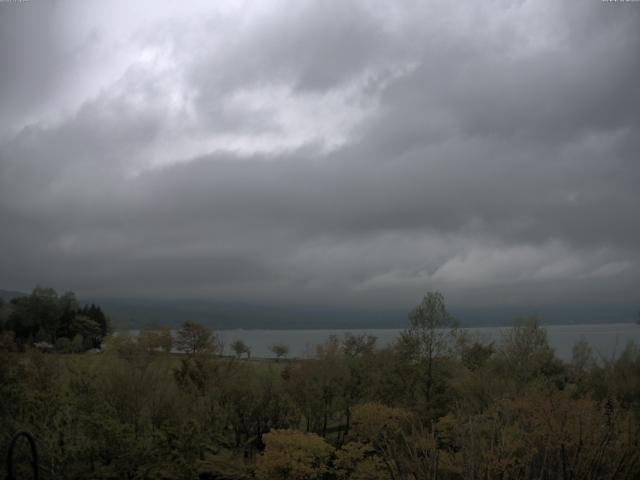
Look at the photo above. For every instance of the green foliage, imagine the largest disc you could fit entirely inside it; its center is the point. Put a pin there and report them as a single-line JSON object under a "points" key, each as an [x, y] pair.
{"points": [[429, 338], [240, 348], [156, 340], [138, 411], [474, 353], [225, 465], [358, 345], [77, 344], [525, 353], [375, 424], [280, 350], [44, 316], [293, 455], [358, 461], [193, 338]]}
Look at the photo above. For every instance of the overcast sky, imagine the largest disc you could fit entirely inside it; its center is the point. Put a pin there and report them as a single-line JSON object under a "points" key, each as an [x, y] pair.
{"points": [[329, 152]]}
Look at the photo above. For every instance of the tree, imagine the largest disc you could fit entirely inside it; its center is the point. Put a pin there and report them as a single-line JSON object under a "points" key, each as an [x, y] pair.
{"points": [[69, 309], [526, 353], [77, 344], [87, 328], [45, 316], [358, 345], [382, 429], [240, 348], [40, 309], [156, 340], [280, 350], [429, 335], [582, 356], [473, 351], [358, 361], [195, 338], [95, 313], [293, 455], [360, 461], [374, 422], [317, 386]]}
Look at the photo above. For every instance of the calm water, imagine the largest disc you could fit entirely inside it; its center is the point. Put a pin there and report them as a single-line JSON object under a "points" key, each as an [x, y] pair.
{"points": [[606, 340]]}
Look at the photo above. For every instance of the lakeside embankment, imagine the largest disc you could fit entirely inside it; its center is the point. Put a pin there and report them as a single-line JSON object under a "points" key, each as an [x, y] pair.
{"points": [[607, 340]]}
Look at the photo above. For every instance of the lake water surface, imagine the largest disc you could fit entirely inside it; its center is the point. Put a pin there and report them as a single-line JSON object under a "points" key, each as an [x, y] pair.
{"points": [[607, 340]]}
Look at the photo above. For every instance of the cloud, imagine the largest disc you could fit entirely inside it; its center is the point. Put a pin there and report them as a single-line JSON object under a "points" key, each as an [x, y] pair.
{"points": [[322, 152]]}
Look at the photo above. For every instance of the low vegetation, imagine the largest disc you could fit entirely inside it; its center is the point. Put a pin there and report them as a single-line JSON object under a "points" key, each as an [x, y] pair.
{"points": [[437, 404]]}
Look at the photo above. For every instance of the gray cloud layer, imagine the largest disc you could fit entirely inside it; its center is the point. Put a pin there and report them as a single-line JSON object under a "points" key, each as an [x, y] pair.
{"points": [[326, 152]]}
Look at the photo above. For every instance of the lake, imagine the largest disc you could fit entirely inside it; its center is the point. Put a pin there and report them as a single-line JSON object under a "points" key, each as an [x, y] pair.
{"points": [[607, 340]]}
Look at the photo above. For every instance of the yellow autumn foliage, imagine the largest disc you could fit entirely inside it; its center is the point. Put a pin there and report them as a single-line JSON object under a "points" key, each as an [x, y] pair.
{"points": [[293, 455]]}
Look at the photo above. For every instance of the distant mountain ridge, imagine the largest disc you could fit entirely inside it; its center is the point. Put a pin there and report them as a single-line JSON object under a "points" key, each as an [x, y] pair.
{"points": [[140, 312], [230, 315], [7, 295], [134, 313]]}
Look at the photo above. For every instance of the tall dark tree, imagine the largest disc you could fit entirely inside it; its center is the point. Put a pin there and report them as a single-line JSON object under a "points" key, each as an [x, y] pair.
{"points": [[39, 310], [429, 336], [69, 307], [95, 313]]}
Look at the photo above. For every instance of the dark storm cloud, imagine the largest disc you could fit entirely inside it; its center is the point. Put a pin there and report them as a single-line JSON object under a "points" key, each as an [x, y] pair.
{"points": [[332, 152]]}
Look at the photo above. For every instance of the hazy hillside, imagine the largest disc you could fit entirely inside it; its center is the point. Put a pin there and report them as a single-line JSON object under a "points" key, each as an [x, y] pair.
{"points": [[9, 294], [138, 312], [223, 315]]}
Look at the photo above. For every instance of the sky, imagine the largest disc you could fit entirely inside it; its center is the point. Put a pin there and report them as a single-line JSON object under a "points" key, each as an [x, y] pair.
{"points": [[322, 153]]}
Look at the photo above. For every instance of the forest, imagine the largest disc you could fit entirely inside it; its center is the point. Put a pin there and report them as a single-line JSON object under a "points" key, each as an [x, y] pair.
{"points": [[50, 322], [438, 403]]}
